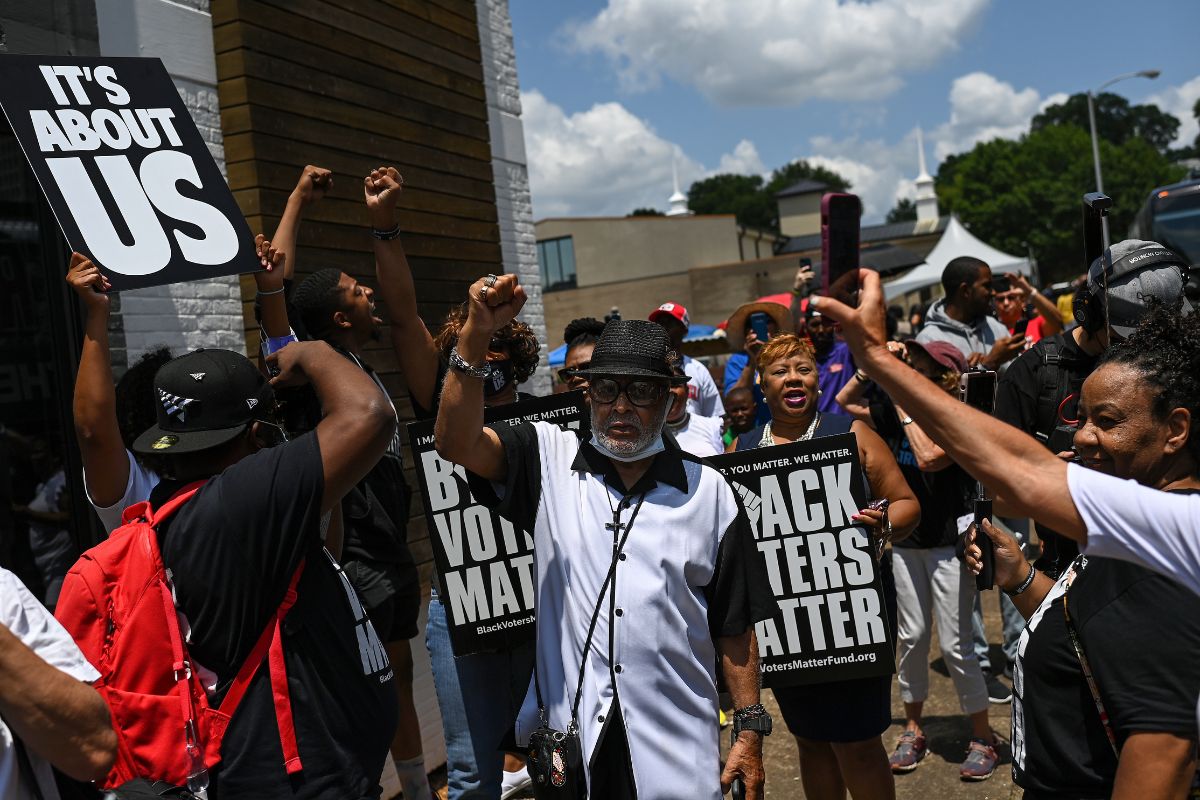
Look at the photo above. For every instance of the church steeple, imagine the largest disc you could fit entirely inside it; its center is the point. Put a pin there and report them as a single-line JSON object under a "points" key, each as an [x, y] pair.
{"points": [[677, 205], [927, 203]]}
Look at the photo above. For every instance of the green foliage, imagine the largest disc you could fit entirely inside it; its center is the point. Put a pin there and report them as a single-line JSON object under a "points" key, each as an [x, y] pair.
{"points": [[1026, 194], [1116, 120], [646, 212], [905, 210], [751, 198]]}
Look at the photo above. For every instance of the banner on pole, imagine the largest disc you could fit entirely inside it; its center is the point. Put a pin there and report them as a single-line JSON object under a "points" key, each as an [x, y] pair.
{"points": [[484, 564], [832, 621], [124, 169]]}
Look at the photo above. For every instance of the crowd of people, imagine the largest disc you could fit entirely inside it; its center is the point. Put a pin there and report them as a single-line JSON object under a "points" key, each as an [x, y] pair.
{"points": [[268, 502]]}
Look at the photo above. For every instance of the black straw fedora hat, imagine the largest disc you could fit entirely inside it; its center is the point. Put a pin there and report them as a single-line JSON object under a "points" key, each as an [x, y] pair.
{"points": [[634, 348]]}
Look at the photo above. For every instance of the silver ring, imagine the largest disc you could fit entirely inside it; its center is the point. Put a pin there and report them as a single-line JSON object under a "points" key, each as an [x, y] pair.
{"points": [[483, 290], [491, 280]]}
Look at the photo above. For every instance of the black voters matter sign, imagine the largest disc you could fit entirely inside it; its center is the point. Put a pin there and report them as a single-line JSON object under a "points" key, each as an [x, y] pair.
{"points": [[124, 168], [484, 563], [832, 623]]}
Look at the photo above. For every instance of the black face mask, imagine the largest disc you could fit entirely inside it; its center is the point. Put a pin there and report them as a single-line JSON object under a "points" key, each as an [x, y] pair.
{"points": [[500, 375]]}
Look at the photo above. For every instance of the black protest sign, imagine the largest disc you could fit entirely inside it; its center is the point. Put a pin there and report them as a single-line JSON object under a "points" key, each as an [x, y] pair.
{"points": [[127, 174], [832, 622], [484, 563]]}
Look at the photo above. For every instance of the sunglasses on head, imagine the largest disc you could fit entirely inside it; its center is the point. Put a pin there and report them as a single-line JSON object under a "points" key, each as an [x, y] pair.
{"points": [[640, 393]]}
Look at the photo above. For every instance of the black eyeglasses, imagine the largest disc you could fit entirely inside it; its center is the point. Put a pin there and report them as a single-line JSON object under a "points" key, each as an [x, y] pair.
{"points": [[574, 374], [640, 393]]}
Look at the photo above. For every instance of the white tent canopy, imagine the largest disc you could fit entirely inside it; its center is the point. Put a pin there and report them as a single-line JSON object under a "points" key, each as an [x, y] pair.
{"points": [[956, 241]]}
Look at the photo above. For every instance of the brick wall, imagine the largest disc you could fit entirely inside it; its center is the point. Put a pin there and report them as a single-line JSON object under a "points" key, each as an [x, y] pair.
{"points": [[513, 205], [187, 315]]}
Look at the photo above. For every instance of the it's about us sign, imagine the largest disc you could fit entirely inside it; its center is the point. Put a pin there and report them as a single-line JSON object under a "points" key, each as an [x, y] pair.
{"points": [[124, 169]]}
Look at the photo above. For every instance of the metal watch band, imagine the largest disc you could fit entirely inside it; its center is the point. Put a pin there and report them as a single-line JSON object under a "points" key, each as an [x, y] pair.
{"points": [[457, 362]]}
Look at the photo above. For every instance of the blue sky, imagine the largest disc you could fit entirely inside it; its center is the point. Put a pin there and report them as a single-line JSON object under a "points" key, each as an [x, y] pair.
{"points": [[612, 89]]}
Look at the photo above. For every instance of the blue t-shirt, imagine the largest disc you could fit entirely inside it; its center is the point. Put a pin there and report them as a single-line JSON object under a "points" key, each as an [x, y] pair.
{"points": [[833, 372]]}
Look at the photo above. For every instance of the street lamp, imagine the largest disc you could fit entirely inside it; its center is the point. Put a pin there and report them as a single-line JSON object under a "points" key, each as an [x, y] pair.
{"points": [[1091, 98]]}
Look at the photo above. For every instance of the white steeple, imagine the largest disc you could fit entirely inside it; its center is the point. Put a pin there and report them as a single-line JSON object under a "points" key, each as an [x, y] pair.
{"points": [[677, 205], [927, 204]]}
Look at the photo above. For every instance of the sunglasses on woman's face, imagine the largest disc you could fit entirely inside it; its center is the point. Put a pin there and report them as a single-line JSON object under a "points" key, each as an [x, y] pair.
{"points": [[573, 376], [640, 393]]}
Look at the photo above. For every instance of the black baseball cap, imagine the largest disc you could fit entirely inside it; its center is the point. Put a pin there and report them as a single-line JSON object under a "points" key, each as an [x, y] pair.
{"points": [[205, 399]]}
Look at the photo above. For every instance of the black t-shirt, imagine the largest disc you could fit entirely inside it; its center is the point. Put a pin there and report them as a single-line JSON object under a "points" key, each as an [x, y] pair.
{"points": [[944, 496], [1140, 632], [231, 552], [1022, 403]]}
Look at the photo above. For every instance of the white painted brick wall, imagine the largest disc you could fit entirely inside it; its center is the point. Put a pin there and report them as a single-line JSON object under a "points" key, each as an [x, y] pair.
{"points": [[183, 316], [517, 242]]}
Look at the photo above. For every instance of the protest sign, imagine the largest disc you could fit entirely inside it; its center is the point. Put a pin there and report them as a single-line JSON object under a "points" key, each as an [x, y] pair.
{"points": [[832, 622], [124, 169], [484, 563]]}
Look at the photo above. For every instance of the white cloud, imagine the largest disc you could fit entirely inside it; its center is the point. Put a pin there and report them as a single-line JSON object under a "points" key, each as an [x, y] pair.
{"points": [[984, 108], [1180, 100], [777, 52], [606, 161], [879, 173]]}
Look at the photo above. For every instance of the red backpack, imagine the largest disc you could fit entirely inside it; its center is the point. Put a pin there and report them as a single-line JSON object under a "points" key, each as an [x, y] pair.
{"points": [[116, 603]]}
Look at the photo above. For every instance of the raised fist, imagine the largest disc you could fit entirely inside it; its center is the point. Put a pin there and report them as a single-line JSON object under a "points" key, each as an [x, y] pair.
{"points": [[313, 184], [270, 278], [494, 300], [88, 281], [381, 189]]}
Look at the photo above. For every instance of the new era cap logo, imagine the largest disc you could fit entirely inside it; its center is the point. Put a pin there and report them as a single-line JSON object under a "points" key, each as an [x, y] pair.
{"points": [[198, 376], [251, 402], [175, 405]]}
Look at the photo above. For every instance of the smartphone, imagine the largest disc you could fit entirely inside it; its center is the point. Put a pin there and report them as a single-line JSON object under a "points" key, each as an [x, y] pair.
{"points": [[840, 214], [977, 388], [1095, 209], [987, 551], [1020, 327], [758, 324]]}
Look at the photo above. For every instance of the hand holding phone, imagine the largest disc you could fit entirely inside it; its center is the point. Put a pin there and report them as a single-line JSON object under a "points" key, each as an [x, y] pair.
{"points": [[987, 550], [758, 323], [840, 215]]}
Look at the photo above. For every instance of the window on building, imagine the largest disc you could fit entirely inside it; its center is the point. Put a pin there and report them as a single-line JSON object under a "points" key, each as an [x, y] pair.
{"points": [[556, 257]]}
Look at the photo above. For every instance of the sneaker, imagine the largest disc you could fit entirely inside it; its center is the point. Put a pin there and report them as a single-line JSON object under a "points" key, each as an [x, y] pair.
{"points": [[997, 692], [515, 783], [980, 762], [908, 753]]}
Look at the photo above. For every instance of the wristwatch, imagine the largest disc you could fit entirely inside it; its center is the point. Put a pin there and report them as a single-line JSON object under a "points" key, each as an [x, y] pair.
{"points": [[760, 723], [460, 364]]}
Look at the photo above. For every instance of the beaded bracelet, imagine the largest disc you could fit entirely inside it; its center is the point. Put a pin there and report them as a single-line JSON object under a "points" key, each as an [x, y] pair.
{"points": [[386, 234], [1025, 584]]}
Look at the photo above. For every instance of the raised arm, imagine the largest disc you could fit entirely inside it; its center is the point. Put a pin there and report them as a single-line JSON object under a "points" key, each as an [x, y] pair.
{"points": [[313, 184], [105, 460], [411, 340], [459, 433], [1045, 306], [853, 398], [61, 719], [269, 280], [359, 421], [1010, 463]]}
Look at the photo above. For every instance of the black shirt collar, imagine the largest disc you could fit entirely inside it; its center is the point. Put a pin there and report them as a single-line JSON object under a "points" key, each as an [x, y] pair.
{"points": [[667, 467]]}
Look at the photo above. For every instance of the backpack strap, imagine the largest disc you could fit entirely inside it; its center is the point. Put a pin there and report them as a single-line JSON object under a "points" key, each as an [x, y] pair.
{"points": [[172, 505], [270, 646]]}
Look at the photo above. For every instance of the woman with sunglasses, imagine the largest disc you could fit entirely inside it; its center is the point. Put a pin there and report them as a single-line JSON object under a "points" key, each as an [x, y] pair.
{"points": [[838, 726], [580, 336]]}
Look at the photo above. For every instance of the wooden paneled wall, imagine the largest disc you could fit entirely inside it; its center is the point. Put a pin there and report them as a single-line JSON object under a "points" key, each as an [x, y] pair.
{"points": [[351, 85]]}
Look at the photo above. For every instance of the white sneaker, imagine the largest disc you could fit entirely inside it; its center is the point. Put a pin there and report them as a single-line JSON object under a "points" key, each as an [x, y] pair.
{"points": [[514, 783]]}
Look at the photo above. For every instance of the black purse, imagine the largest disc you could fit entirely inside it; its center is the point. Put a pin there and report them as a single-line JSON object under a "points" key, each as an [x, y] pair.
{"points": [[555, 758]]}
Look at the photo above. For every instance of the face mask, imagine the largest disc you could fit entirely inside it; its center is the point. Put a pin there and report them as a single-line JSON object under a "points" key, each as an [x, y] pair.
{"points": [[500, 375], [653, 448]]}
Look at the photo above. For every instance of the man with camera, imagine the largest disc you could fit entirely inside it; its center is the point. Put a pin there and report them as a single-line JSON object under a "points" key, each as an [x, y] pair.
{"points": [[1039, 392], [646, 572]]}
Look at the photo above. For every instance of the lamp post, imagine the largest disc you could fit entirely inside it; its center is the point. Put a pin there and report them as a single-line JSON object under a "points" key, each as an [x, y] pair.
{"points": [[1091, 99]]}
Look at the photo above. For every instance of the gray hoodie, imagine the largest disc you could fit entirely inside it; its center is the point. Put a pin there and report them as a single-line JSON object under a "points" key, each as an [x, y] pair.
{"points": [[969, 338]]}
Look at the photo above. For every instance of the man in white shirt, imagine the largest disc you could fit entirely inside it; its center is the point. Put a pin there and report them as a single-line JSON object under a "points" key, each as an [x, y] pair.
{"points": [[1106, 515], [700, 436], [704, 399], [633, 538], [49, 715]]}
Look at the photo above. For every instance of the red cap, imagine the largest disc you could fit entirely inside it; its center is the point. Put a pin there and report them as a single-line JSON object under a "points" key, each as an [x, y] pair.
{"points": [[674, 310]]}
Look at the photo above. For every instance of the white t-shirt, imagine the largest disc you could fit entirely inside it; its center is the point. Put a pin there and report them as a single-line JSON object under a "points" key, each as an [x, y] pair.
{"points": [[700, 436], [704, 399], [1125, 520], [137, 488], [30, 622]]}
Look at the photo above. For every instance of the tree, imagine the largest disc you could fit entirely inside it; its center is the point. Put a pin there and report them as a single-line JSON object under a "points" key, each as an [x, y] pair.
{"points": [[905, 210], [1026, 194], [645, 212], [1116, 120], [751, 198]]}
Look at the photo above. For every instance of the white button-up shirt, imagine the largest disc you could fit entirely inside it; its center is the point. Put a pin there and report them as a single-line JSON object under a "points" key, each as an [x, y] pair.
{"points": [[688, 573]]}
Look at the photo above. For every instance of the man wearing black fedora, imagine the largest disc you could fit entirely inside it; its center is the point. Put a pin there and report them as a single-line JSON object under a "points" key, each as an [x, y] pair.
{"points": [[646, 570]]}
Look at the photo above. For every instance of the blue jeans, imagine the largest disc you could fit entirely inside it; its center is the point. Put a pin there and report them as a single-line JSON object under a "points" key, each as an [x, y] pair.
{"points": [[1014, 623], [479, 696]]}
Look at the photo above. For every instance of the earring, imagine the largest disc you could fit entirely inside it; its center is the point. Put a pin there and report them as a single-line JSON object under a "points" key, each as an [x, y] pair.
{"points": [[819, 391]]}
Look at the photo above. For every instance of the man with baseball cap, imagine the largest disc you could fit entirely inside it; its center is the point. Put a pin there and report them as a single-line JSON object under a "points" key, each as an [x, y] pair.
{"points": [[704, 399], [646, 571], [232, 550], [1039, 393]]}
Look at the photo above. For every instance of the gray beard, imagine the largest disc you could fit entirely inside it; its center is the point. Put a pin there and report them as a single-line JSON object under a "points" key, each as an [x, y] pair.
{"points": [[646, 438]]}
